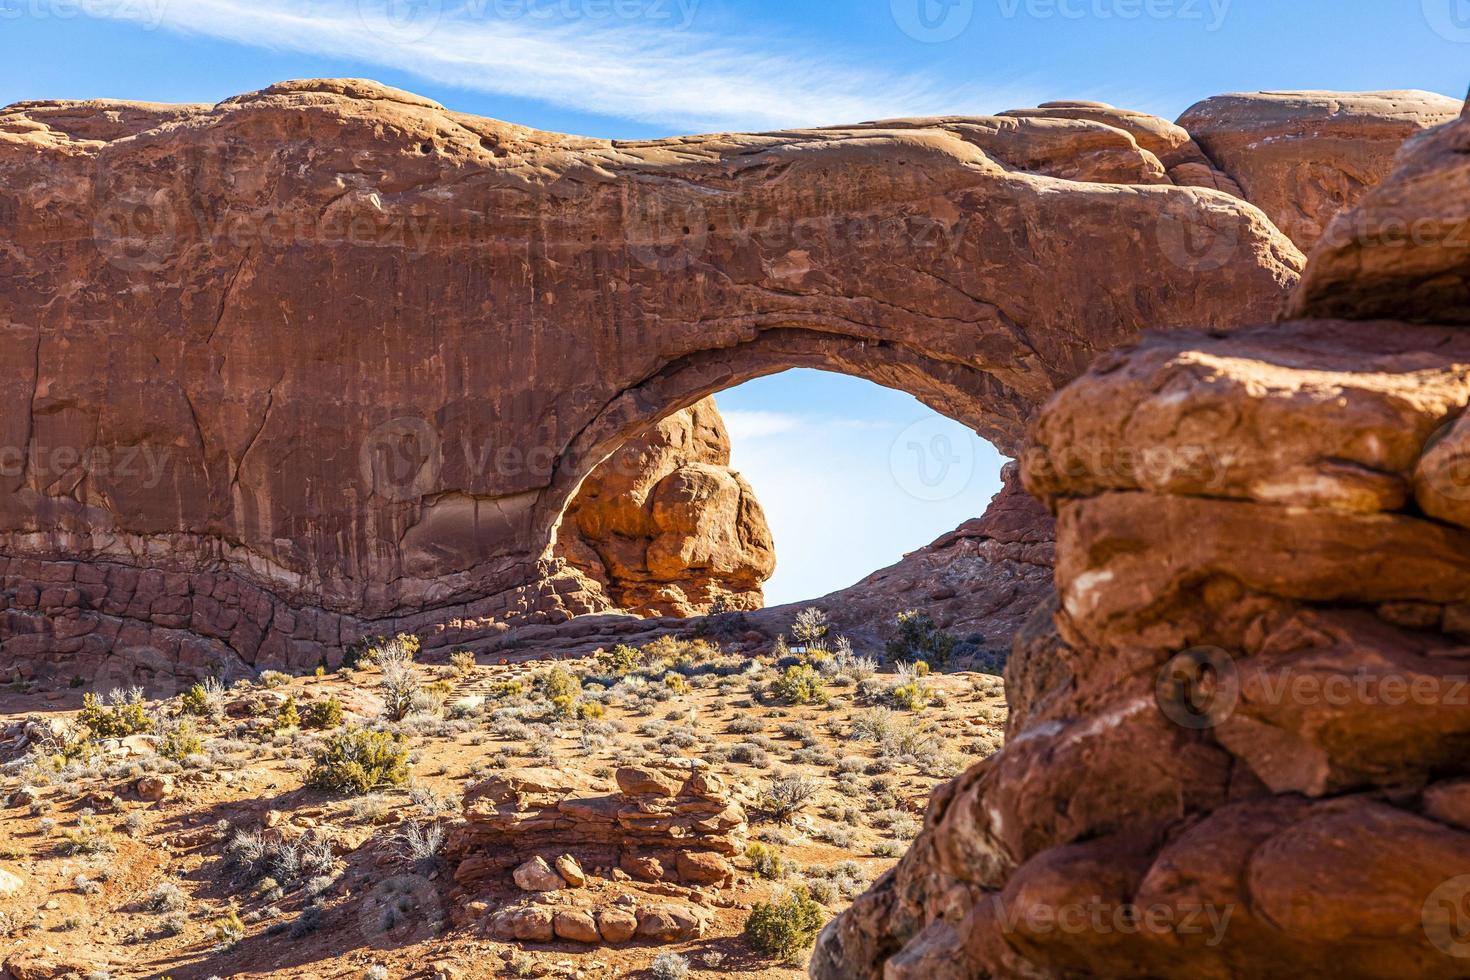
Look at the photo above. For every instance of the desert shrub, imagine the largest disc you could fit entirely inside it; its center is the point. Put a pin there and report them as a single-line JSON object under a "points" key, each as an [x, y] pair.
{"points": [[356, 760], [85, 838], [322, 715], [399, 684], [799, 684], [789, 795], [227, 930], [677, 683], [506, 689], [417, 843], [669, 966], [167, 897], [274, 678], [765, 862], [810, 628], [463, 662], [197, 702], [286, 716], [558, 683], [179, 740], [620, 660], [919, 639], [382, 651], [912, 692], [122, 714], [786, 927], [745, 725]]}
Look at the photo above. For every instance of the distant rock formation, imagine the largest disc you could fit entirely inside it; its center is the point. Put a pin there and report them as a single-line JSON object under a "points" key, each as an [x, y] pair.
{"points": [[666, 527], [1240, 742]]}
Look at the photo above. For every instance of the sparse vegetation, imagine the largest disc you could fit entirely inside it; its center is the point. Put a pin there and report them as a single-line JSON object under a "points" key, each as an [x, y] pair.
{"points": [[356, 760], [799, 684], [786, 927], [920, 639]]}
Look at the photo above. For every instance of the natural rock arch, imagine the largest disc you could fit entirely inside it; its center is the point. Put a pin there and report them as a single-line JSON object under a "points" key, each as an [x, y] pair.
{"points": [[336, 306]]}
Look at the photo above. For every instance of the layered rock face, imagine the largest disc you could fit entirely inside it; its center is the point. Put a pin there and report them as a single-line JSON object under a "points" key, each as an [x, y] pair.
{"points": [[663, 824], [1240, 744], [329, 360], [666, 527]]}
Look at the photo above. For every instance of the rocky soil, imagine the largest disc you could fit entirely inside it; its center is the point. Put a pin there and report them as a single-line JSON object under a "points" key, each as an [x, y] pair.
{"points": [[685, 793]]}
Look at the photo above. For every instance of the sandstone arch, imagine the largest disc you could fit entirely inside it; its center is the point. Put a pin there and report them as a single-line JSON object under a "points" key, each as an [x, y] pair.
{"points": [[334, 304]]}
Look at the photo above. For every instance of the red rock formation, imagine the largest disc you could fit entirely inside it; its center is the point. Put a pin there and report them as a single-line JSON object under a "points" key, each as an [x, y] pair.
{"points": [[1240, 746], [663, 824], [666, 527], [1302, 157], [328, 360]]}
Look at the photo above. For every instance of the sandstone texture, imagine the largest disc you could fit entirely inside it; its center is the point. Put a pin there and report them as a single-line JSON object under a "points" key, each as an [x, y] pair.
{"points": [[666, 527], [1239, 741], [328, 360], [1302, 157], [673, 824]]}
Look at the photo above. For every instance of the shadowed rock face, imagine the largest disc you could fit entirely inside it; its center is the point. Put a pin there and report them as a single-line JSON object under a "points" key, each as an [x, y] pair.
{"points": [[328, 359], [1240, 743]]}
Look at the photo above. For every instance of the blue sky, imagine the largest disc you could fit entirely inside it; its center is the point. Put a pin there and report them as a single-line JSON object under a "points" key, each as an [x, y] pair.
{"points": [[843, 466]]}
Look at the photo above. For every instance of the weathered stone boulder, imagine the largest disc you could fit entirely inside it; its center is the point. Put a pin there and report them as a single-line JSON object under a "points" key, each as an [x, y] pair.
{"points": [[667, 527], [1240, 743]]}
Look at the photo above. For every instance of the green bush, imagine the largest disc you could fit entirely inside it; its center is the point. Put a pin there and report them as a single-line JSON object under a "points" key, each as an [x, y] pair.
{"points": [[799, 684], [196, 702], [785, 928], [357, 760], [618, 662], [179, 741], [765, 862], [919, 639], [286, 716], [124, 715], [557, 683], [322, 715]]}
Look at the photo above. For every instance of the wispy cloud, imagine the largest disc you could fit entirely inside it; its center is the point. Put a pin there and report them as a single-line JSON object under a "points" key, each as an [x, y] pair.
{"points": [[743, 424], [644, 60]]}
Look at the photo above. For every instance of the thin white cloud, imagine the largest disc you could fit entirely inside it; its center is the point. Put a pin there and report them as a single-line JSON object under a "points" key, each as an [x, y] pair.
{"points": [[757, 424], [653, 68]]}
